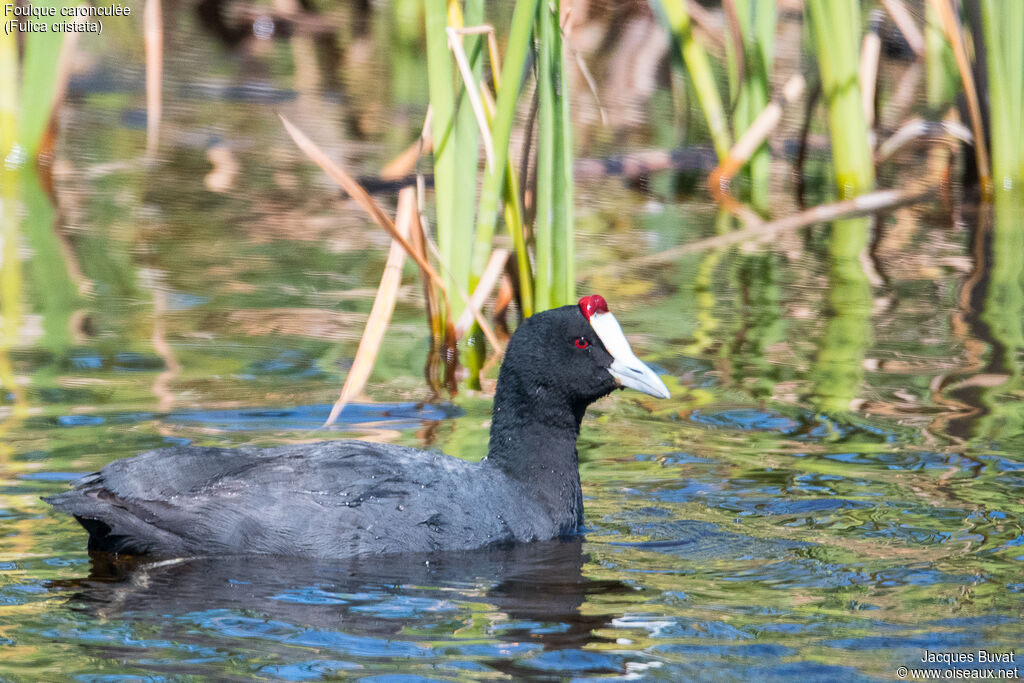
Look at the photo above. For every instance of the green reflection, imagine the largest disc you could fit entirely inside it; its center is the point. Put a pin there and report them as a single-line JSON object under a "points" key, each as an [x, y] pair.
{"points": [[761, 324], [54, 291], [45, 283], [10, 290], [704, 292], [1003, 312], [838, 368]]}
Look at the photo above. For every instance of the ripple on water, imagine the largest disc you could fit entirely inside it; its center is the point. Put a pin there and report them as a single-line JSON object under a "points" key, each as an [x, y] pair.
{"points": [[311, 595], [746, 420], [809, 573], [805, 671], [120, 678], [677, 627], [288, 363], [394, 415], [745, 651], [231, 624], [575, 661], [514, 649], [677, 458], [701, 541], [308, 671], [933, 640], [406, 607]]}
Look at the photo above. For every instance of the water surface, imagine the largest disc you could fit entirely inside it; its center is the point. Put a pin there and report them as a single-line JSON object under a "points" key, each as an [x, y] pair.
{"points": [[745, 529]]}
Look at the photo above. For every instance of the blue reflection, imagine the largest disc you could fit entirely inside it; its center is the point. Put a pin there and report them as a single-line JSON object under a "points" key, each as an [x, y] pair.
{"points": [[394, 415]]}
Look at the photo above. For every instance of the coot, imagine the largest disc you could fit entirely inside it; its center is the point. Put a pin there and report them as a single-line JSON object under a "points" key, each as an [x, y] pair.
{"points": [[338, 499]]}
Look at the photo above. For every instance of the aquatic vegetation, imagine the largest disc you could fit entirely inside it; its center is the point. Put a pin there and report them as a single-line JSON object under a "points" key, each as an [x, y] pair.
{"points": [[1004, 52], [535, 31], [696, 60], [836, 30]]}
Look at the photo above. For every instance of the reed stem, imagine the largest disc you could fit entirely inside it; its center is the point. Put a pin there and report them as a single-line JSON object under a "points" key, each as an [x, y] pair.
{"points": [[442, 103], [1003, 26], [519, 41], [695, 58], [836, 26], [749, 73]]}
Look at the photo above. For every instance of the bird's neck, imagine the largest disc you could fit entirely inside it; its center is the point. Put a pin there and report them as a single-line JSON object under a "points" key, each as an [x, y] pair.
{"points": [[533, 440]]}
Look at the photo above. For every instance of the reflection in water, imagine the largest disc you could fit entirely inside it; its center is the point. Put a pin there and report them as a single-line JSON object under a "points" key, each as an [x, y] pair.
{"points": [[1003, 313], [761, 324], [997, 309], [704, 310], [528, 596], [12, 397], [10, 284], [839, 367], [51, 270], [27, 217]]}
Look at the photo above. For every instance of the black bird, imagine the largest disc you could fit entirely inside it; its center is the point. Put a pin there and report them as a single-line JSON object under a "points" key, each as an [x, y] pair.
{"points": [[338, 499]]}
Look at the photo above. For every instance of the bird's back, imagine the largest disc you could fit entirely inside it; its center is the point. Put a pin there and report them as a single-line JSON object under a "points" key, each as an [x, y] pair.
{"points": [[330, 500]]}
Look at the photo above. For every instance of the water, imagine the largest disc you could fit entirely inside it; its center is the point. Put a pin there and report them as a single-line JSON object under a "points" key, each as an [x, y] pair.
{"points": [[734, 532]]}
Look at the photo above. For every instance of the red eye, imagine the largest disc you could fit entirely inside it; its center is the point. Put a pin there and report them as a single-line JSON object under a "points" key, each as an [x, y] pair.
{"points": [[582, 343]]}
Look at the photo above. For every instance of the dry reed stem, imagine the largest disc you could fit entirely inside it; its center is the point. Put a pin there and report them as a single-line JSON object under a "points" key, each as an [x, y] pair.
{"points": [[383, 306], [431, 299], [356, 191], [944, 9], [919, 128], [495, 267], [65, 60], [735, 32], [904, 21], [363, 198], [870, 52], [473, 92], [588, 77], [485, 326], [759, 130], [172, 367], [405, 163], [871, 202]]}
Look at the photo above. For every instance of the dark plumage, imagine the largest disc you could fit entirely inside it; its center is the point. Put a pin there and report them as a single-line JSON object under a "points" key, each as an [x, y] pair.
{"points": [[337, 499]]}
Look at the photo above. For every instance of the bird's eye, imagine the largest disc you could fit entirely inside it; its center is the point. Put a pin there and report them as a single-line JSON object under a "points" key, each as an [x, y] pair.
{"points": [[581, 343]]}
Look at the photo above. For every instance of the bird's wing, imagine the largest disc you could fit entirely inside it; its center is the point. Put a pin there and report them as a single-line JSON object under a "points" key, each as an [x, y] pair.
{"points": [[330, 499]]}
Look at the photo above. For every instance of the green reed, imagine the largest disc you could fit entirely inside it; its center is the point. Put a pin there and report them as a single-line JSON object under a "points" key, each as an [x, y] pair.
{"points": [[55, 291], [10, 261], [1003, 27], [452, 228], [40, 81], [507, 101], [750, 66], [836, 26], [839, 371], [553, 227], [674, 14], [28, 92], [465, 244]]}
